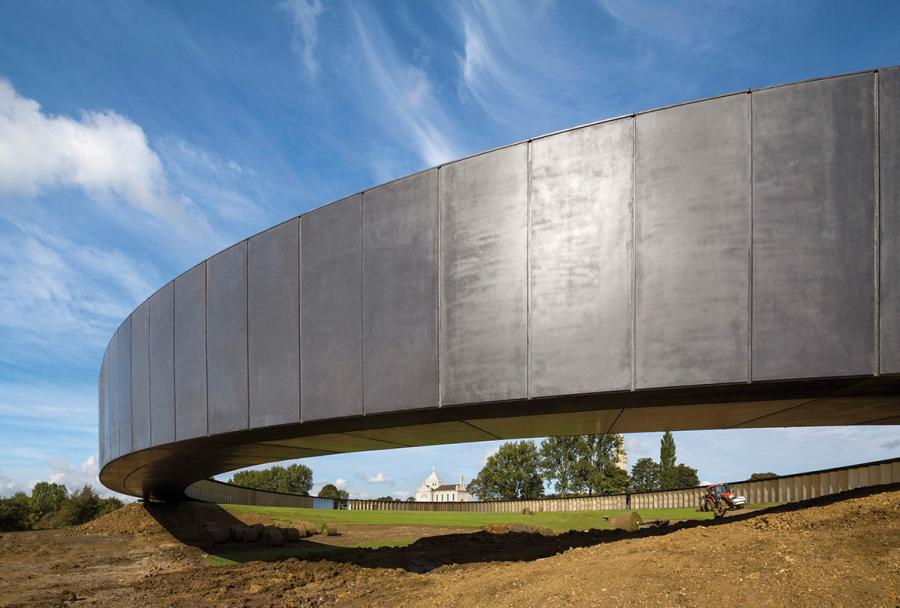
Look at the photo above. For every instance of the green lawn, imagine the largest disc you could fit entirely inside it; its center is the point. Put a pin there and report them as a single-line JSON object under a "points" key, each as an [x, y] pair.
{"points": [[559, 522]]}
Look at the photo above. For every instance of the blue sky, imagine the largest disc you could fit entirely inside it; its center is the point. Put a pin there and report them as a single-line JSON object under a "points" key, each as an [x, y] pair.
{"points": [[139, 138]]}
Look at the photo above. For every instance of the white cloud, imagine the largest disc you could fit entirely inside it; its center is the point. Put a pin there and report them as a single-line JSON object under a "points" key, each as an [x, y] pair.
{"points": [[7, 485], [509, 61], [401, 494], [221, 187], [340, 484], [305, 15], [406, 93], [64, 296], [489, 453], [72, 476], [104, 154], [380, 478]]}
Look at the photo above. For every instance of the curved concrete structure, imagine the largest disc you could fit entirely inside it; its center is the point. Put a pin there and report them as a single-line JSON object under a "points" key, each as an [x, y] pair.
{"points": [[732, 262]]}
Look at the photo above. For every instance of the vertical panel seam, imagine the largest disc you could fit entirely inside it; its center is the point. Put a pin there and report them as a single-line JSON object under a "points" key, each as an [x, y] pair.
{"points": [[247, 315], [634, 243], [440, 287], [299, 320], [877, 226], [528, 176], [437, 247], [750, 248], [206, 338], [174, 394], [149, 381], [131, 380], [362, 295]]}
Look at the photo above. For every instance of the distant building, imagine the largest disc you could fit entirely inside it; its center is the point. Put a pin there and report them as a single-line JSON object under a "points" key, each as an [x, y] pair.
{"points": [[432, 490]]}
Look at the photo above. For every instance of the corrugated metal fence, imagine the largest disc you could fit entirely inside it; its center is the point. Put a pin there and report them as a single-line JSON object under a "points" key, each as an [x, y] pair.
{"points": [[789, 488]]}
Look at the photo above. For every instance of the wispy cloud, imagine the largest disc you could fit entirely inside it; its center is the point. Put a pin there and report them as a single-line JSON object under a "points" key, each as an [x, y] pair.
{"points": [[681, 23], [104, 154], [221, 188], [7, 485], [37, 408], [305, 16], [61, 294], [406, 94], [508, 64]]}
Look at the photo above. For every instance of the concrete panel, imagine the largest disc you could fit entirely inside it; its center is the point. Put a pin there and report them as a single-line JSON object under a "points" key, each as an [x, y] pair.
{"points": [[112, 387], [889, 121], [103, 411], [190, 353], [483, 236], [580, 260], [274, 329], [400, 352], [813, 248], [331, 312], [162, 366], [226, 339], [140, 377], [693, 239], [123, 387]]}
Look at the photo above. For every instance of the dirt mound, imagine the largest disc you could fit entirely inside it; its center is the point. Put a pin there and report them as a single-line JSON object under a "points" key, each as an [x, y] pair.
{"points": [[130, 519], [518, 528], [838, 551]]}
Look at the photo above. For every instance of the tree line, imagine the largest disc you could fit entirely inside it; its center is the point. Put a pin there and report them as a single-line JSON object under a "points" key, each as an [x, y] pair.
{"points": [[293, 479], [52, 505], [577, 465]]}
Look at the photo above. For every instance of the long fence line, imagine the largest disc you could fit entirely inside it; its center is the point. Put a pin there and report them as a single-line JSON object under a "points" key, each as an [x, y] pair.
{"points": [[787, 488]]}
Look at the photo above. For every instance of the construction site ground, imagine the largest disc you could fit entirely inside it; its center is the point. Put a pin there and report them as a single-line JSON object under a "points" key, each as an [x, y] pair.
{"points": [[837, 551]]}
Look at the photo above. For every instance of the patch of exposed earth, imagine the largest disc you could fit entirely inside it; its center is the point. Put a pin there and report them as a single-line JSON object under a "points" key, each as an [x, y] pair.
{"points": [[829, 552]]}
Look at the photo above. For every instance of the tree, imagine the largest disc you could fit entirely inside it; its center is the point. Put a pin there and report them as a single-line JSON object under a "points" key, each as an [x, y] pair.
{"points": [[758, 476], [686, 477], [667, 462], [582, 464], [15, 512], [610, 480], [293, 479], [47, 498], [386, 498], [329, 490], [512, 473], [82, 506], [645, 475], [558, 463], [410, 499]]}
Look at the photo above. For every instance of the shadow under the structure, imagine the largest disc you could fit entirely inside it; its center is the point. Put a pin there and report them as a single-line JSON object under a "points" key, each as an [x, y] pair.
{"points": [[428, 553]]}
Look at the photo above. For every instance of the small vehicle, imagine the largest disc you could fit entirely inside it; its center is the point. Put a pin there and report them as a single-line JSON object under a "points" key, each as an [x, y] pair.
{"points": [[720, 498]]}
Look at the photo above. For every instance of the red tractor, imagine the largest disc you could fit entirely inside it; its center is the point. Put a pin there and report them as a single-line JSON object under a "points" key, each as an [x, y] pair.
{"points": [[720, 498]]}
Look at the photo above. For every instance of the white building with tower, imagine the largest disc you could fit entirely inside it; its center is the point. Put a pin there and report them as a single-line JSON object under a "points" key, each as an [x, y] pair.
{"points": [[432, 490]]}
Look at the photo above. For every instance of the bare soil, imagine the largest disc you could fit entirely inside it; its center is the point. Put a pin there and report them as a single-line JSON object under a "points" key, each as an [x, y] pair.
{"points": [[841, 551]]}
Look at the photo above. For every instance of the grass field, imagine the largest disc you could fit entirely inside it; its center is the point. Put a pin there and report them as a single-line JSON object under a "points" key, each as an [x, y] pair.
{"points": [[559, 522]]}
